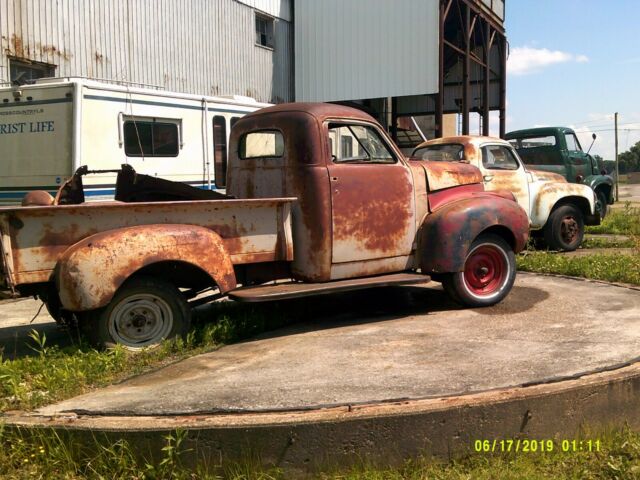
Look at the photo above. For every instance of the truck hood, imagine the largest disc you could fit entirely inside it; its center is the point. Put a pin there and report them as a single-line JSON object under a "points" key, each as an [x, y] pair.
{"points": [[543, 176], [441, 175]]}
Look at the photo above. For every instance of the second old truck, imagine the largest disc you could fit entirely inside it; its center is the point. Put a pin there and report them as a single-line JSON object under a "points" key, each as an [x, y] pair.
{"points": [[318, 200]]}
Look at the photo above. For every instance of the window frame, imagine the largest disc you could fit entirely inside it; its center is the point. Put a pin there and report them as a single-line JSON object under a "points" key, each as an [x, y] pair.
{"points": [[576, 142], [177, 122], [508, 149], [220, 156], [48, 69], [382, 137], [442, 146], [270, 29], [263, 130]]}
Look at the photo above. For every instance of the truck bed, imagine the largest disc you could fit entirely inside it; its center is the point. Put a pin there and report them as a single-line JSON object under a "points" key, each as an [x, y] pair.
{"points": [[33, 238]]}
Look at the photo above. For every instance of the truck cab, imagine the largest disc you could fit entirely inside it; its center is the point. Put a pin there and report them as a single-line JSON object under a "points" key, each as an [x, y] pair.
{"points": [[558, 150]]}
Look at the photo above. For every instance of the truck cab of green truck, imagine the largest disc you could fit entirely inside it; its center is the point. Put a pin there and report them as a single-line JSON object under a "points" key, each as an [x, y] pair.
{"points": [[557, 150]]}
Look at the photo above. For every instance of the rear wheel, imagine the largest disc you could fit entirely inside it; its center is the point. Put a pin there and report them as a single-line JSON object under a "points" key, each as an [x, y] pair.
{"points": [[602, 207], [143, 313], [488, 275], [564, 229]]}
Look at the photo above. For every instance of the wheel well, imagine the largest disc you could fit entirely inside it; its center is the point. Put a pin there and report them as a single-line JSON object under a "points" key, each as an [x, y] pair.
{"points": [[580, 203], [503, 232], [604, 188], [180, 274]]}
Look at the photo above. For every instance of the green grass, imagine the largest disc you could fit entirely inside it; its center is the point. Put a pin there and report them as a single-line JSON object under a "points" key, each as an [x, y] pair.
{"points": [[607, 267], [55, 373], [610, 267], [624, 221], [47, 454]]}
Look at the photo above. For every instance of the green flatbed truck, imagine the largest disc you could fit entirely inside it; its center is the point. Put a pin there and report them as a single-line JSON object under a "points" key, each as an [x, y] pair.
{"points": [[557, 150]]}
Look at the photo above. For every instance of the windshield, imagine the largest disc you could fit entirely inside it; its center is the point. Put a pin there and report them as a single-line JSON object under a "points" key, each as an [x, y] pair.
{"points": [[440, 153]]}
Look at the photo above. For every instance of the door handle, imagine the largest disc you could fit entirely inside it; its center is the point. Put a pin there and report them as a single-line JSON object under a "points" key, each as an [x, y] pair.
{"points": [[487, 178]]}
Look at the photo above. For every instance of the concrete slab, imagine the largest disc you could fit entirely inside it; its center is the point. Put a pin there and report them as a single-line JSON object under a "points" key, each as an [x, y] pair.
{"points": [[399, 343]]}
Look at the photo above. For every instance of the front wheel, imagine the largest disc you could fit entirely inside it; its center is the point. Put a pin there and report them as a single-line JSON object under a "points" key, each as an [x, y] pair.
{"points": [[488, 275], [143, 313], [564, 229]]}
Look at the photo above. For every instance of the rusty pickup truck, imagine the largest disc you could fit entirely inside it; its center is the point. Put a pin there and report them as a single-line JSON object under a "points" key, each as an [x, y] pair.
{"points": [[318, 200]]}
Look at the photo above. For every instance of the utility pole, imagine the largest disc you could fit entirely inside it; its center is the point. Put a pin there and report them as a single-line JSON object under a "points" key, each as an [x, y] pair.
{"points": [[617, 170]]}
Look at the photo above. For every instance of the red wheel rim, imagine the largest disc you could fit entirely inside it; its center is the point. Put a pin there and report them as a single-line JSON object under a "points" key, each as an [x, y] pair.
{"points": [[485, 270]]}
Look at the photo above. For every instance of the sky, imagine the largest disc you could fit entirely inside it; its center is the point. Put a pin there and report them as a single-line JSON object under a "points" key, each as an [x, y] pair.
{"points": [[574, 63]]}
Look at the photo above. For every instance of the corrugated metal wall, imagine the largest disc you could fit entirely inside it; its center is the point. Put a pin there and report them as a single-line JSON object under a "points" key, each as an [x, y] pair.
{"points": [[365, 49], [194, 46]]}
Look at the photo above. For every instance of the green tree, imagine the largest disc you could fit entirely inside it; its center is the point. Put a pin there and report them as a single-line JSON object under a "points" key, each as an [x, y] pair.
{"points": [[629, 161]]}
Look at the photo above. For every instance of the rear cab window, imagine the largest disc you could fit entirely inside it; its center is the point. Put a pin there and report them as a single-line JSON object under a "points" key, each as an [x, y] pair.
{"points": [[261, 144], [440, 153]]}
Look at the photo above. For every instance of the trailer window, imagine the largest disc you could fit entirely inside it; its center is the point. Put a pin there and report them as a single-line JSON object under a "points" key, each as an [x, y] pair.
{"points": [[220, 150], [263, 144], [150, 139]]}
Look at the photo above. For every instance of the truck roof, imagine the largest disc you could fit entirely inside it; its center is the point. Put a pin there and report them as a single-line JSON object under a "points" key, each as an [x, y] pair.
{"points": [[534, 132], [321, 111]]}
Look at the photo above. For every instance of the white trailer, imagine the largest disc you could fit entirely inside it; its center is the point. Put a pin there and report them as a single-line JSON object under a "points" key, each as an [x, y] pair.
{"points": [[50, 128]]}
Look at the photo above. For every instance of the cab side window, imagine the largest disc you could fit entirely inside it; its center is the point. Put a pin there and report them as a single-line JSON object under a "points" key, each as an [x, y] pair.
{"points": [[572, 142], [357, 144], [498, 157]]}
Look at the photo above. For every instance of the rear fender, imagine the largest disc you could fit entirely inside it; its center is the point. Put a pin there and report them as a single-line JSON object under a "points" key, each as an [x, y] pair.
{"points": [[89, 273], [446, 234]]}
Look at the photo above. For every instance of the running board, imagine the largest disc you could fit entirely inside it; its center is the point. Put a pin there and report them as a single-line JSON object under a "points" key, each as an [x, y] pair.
{"points": [[283, 291]]}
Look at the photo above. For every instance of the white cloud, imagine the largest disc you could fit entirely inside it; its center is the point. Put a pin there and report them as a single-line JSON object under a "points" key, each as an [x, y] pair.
{"points": [[527, 60]]}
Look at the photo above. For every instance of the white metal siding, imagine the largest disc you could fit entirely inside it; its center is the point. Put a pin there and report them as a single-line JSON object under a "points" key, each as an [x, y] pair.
{"points": [[357, 49], [196, 46]]}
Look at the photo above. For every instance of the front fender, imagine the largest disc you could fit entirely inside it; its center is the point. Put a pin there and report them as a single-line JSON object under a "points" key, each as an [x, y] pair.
{"points": [[546, 195], [446, 234], [601, 181], [89, 272]]}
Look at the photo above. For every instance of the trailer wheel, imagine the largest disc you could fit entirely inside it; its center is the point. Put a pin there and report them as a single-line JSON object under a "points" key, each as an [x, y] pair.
{"points": [[488, 275], [564, 229], [143, 312]]}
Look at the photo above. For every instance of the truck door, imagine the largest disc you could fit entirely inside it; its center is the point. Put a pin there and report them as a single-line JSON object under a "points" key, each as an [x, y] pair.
{"points": [[372, 199], [579, 164], [501, 170]]}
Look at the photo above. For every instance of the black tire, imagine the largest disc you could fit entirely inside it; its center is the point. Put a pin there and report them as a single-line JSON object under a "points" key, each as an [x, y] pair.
{"points": [[564, 229], [489, 274], [143, 312], [602, 207]]}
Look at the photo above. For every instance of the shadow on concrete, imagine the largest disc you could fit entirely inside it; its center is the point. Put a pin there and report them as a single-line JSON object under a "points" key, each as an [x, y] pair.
{"points": [[373, 305]]}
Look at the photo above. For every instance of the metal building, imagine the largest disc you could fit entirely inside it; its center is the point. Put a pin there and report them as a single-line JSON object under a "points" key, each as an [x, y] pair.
{"points": [[397, 59], [404, 58], [207, 47]]}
